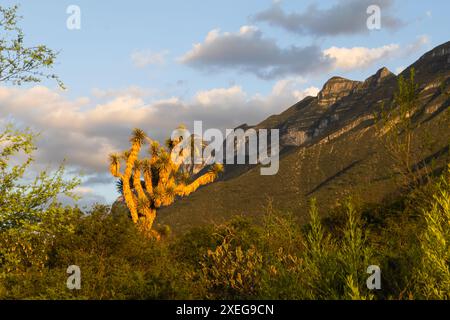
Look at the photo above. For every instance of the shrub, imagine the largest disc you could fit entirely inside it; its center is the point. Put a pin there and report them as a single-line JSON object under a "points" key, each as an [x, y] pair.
{"points": [[232, 273], [433, 274]]}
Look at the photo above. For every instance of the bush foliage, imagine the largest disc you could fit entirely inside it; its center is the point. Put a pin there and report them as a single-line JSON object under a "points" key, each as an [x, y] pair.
{"points": [[242, 259]]}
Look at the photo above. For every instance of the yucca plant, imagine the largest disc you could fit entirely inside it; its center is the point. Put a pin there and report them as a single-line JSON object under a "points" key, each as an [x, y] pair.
{"points": [[163, 178]]}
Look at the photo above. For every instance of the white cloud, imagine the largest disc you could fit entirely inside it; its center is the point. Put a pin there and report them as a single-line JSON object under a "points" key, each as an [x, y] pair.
{"points": [[249, 51], [348, 59], [359, 57], [144, 58], [311, 91], [130, 91], [221, 96], [282, 86]]}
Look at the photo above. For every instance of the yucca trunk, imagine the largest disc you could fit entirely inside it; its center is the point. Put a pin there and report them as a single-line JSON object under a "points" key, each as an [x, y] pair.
{"points": [[137, 184], [148, 179], [149, 219], [127, 193], [129, 200]]}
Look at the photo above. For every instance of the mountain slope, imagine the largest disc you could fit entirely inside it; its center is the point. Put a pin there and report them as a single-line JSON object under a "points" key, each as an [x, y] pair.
{"points": [[329, 149]]}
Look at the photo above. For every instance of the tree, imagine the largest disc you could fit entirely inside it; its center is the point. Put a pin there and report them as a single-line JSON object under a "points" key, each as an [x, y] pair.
{"points": [[164, 179], [20, 64], [23, 198], [30, 212], [399, 131]]}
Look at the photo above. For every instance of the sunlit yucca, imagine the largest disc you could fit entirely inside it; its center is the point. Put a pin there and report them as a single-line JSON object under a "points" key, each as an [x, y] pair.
{"points": [[163, 179]]}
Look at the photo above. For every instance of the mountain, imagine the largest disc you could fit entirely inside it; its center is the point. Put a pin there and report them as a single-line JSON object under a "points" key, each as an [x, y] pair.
{"points": [[329, 149]]}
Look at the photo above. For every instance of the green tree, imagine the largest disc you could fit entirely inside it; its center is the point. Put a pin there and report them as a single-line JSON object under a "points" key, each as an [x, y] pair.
{"points": [[18, 63], [30, 212], [397, 127]]}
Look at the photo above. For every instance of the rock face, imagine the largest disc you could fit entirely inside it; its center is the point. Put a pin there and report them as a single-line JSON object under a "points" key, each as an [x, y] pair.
{"points": [[295, 137], [343, 104], [334, 108], [338, 105], [335, 89], [378, 78]]}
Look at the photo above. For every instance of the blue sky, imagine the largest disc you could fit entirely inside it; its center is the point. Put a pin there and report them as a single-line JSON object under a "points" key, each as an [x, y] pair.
{"points": [[223, 80], [98, 55]]}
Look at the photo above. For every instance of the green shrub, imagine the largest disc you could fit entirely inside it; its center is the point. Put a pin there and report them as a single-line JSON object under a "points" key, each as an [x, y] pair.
{"points": [[232, 273], [433, 274]]}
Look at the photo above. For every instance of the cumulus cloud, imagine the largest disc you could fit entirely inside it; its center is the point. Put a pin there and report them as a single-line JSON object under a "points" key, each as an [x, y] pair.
{"points": [[221, 96], [249, 51], [292, 86], [131, 91], [361, 57], [144, 58], [84, 131], [346, 17]]}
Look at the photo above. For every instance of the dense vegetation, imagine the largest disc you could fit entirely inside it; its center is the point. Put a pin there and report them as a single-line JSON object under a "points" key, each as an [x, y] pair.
{"points": [[275, 258]]}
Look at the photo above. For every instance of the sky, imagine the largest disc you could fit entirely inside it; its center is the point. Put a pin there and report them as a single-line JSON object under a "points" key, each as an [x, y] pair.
{"points": [[157, 64]]}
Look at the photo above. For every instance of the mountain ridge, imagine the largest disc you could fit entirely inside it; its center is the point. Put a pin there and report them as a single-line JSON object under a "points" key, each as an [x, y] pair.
{"points": [[329, 149]]}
